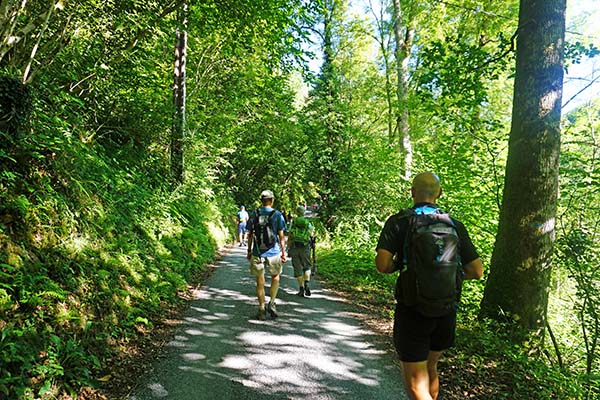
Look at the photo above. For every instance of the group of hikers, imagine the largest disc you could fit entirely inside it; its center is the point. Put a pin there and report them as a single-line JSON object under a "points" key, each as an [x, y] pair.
{"points": [[431, 251], [268, 248]]}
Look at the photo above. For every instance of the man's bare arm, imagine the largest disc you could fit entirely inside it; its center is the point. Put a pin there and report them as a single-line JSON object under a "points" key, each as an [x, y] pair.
{"points": [[250, 243], [473, 270], [384, 261], [282, 244]]}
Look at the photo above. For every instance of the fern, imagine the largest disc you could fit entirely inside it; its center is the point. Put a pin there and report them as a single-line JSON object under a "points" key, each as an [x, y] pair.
{"points": [[57, 295]]}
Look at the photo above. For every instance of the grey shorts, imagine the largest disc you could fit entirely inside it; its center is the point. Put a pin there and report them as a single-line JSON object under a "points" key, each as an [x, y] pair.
{"points": [[272, 264], [300, 260]]}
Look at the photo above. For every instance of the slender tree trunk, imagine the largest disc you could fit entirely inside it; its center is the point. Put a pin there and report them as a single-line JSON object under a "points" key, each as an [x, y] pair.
{"points": [[382, 32], [518, 284], [403, 44], [179, 94], [331, 93], [389, 96]]}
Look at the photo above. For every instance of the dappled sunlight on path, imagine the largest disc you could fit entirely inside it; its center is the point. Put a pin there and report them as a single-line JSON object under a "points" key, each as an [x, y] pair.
{"points": [[316, 349]]}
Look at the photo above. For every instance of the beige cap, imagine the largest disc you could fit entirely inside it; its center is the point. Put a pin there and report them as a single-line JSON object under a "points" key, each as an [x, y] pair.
{"points": [[267, 194]]}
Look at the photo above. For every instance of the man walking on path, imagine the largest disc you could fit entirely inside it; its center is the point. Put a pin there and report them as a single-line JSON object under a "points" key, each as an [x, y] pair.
{"points": [[241, 219], [421, 339], [266, 250], [299, 240]]}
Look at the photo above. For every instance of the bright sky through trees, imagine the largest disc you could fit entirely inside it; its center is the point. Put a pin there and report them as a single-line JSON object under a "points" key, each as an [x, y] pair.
{"points": [[582, 81], [582, 17]]}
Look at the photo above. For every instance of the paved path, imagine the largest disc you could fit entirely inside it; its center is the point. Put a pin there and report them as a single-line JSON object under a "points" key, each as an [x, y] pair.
{"points": [[316, 349]]}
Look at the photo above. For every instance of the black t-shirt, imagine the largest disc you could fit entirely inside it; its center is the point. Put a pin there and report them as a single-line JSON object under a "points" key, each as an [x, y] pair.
{"points": [[394, 232]]}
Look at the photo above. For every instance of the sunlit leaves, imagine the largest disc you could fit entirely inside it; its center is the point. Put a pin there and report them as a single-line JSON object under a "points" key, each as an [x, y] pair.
{"points": [[456, 72], [575, 52]]}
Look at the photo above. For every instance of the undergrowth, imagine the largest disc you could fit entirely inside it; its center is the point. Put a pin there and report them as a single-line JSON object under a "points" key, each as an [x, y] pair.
{"points": [[484, 363], [93, 248]]}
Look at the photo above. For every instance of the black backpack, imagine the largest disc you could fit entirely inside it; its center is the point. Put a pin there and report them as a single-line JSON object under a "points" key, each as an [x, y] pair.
{"points": [[432, 279], [264, 234]]}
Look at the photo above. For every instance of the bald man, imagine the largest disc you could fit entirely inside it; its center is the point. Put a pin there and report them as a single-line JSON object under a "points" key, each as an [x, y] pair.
{"points": [[421, 340]]}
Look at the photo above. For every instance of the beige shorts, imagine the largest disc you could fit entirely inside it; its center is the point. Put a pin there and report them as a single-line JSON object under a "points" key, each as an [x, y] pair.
{"points": [[273, 265]]}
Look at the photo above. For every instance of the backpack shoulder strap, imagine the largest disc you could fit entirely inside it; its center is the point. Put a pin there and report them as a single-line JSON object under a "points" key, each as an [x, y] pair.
{"points": [[271, 221], [406, 215], [270, 217]]}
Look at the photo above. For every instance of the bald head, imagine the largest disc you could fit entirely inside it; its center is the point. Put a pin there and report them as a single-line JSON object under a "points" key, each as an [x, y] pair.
{"points": [[426, 188]]}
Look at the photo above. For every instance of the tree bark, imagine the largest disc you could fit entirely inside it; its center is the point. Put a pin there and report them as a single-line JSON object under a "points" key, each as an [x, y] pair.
{"points": [[179, 97], [402, 53], [518, 284]]}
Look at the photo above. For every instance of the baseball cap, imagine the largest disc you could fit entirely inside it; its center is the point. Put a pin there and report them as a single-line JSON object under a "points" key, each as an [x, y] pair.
{"points": [[267, 194]]}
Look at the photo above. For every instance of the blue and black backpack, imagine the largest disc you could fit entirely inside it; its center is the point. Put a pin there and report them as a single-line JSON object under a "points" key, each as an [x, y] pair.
{"points": [[431, 278]]}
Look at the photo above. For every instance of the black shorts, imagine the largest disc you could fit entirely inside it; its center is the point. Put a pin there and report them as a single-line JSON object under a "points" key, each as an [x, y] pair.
{"points": [[416, 335]]}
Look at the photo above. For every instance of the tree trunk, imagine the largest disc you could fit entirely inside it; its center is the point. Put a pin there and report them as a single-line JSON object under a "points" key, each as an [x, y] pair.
{"points": [[389, 96], [382, 32], [403, 44], [330, 92], [518, 284], [179, 89]]}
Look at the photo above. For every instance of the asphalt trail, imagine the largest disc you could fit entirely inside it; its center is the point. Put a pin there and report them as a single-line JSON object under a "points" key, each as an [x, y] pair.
{"points": [[316, 349]]}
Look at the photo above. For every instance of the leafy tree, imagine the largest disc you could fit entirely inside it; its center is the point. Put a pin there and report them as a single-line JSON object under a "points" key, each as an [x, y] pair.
{"points": [[573, 320]]}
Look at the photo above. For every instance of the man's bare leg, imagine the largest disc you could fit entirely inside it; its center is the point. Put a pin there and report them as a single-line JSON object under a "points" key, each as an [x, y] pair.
{"points": [[260, 291], [434, 379], [274, 287], [416, 380]]}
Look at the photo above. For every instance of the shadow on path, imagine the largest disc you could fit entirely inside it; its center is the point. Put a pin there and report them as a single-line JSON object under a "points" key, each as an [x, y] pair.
{"points": [[316, 349]]}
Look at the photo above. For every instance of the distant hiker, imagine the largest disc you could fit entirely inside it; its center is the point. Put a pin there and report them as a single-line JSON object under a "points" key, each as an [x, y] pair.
{"points": [[241, 220], [287, 221], [423, 241], [266, 250], [285, 216], [299, 242]]}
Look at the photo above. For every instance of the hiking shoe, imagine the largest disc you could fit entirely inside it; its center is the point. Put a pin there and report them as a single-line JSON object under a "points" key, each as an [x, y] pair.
{"points": [[300, 292], [261, 315], [306, 290], [272, 310]]}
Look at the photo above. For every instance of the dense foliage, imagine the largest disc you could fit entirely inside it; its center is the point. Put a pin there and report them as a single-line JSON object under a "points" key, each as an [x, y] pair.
{"points": [[97, 240]]}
